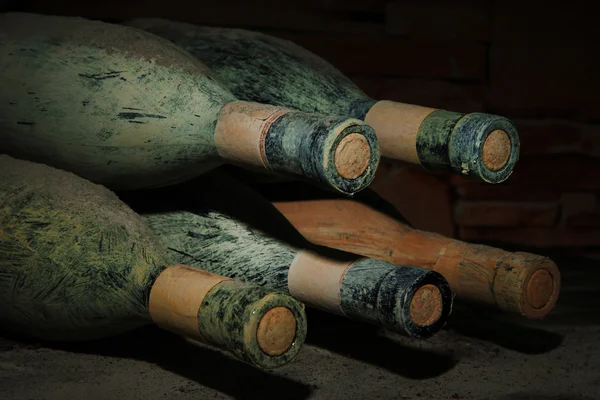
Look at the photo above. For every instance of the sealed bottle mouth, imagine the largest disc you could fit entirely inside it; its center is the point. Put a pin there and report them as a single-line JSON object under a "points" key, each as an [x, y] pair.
{"points": [[276, 331], [352, 156], [426, 305], [496, 150], [540, 289], [483, 146]]}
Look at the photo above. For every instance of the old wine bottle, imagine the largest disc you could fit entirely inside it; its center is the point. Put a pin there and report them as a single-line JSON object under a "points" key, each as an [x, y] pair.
{"points": [[258, 67], [129, 110], [217, 232], [76, 263], [523, 283]]}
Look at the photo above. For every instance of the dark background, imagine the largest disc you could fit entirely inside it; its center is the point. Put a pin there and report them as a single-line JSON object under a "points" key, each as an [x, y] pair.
{"points": [[533, 61]]}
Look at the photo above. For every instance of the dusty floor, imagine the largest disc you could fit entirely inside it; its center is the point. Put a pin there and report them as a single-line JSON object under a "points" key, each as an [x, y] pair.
{"points": [[479, 356]]}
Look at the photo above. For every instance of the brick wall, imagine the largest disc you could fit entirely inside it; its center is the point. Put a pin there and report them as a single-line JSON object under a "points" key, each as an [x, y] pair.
{"points": [[532, 61]]}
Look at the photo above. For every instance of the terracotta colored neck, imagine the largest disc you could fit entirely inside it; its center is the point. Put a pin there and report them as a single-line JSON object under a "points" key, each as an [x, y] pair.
{"points": [[373, 234], [317, 280], [176, 297], [241, 132], [397, 126], [178, 294]]}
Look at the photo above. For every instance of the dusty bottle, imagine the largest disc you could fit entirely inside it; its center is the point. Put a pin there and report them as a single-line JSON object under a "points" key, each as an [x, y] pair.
{"points": [[129, 110], [522, 283], [76, 264], [258, 67], [229, 230]]}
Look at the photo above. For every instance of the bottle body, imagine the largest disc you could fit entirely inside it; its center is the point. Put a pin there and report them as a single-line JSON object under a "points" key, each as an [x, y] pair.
{"points": [[77, 264], [118, 106], [130, 110]]}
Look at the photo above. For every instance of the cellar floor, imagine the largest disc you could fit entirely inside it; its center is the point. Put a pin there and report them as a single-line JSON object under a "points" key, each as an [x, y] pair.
{"points": [[481, 355]]}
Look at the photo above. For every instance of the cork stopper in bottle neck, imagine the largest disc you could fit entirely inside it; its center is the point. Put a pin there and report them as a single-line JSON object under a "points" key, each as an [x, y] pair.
{"points": [[496, 150], [352, 156], [276, 331], [426, 305]]}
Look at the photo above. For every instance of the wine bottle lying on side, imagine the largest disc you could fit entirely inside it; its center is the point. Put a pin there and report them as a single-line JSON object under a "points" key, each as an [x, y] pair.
{"points": [[263, 68], [221, 228], [129, 110], [76, 264], [522, 283]]}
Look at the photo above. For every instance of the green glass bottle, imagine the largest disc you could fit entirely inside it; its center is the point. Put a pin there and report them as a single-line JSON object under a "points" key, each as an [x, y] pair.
{"points": [[76, 264], [263, 68], [129, 110]]}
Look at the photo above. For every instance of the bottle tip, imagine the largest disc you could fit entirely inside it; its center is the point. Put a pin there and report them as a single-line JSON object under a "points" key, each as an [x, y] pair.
{"points": [[276, 331], [352, 156], [496, 150], [540, 289], [426, 305]]}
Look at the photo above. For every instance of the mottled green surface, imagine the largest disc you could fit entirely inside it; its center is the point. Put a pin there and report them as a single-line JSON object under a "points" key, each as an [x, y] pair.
{"points": [[381, 293], [114, 104], [433, 137], [465, 147], [75, 262], [222, 245], [305, 145], [262, 68], [229, 317], [449, 141]]}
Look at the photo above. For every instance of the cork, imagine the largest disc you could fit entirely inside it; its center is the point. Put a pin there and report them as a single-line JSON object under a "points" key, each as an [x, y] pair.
{"points": [[276, 331], [352, 156], [426, 305], [539, 289], [496, 150]]}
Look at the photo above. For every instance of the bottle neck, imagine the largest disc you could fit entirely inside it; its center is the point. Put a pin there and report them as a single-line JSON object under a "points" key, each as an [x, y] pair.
{"points": [[176, 297], [331, 151], [397, 126]]}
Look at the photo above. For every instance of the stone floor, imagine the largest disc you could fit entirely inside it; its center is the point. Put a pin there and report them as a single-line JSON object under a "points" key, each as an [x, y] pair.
{"points": [[481, 355]]}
